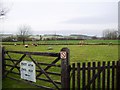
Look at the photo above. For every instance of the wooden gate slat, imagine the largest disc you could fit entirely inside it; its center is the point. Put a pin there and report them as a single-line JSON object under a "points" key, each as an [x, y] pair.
{"points": [[103, 76], [52, 73], [93, 73], [43, 79], [78, 76], [16, 64], [56, 60], [46, 64], [73, 76], [108, 75], [113, 75], [12, 66], [13, 72], [88, 74], [12, 61], [36, 53], [83, 76], [99, 77]]}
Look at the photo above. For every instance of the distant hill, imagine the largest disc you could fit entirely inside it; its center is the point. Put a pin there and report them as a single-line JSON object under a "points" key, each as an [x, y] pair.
{"points": [[6, 35], [77, 36], [51, 37]]}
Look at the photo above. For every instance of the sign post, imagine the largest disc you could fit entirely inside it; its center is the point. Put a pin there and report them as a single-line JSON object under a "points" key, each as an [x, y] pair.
{"points": [[27, 70], [65, 68]]}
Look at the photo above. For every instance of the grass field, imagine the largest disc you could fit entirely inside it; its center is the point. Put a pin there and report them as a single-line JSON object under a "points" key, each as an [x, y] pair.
{"points": [[67, 42], [78, 53]]}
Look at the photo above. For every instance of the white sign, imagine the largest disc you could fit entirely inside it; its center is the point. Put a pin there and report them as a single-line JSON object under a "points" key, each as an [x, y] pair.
{"points": [[63, 55], [27, 70]]}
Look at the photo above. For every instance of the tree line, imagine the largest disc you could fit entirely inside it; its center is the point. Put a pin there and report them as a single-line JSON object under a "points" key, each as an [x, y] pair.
{"points": [[111, 34], [24, 33]]}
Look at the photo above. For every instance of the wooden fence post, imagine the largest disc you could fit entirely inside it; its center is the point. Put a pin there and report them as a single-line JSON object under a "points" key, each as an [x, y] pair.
{"points": [[3, 62], [118, 75], [65, 68]]}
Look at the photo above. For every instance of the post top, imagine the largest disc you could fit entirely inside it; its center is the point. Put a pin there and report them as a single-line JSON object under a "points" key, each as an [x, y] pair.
{"points": [[65, 49]]}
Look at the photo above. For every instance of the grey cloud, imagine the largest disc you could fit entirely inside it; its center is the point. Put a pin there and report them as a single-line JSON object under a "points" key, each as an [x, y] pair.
{"points": [[92, 20]]}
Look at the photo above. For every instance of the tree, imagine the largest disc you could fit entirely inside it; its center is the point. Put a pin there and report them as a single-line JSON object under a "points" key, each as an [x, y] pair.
{"points": [[94, 37], [24, 33], [4, 7], [110, 34]]}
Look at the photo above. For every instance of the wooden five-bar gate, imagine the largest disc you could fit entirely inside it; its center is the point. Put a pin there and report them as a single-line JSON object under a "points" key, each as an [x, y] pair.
{"points": [[59, 74]]}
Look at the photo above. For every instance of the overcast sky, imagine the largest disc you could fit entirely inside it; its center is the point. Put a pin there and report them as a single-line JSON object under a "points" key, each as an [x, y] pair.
{"points": [[61, 16]]}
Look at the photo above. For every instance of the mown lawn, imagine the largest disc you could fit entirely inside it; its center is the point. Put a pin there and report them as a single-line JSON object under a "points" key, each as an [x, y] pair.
{"points": [[78, 53]]}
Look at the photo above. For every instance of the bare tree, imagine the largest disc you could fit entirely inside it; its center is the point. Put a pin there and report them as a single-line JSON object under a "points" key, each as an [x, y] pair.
{"points": [[110, 34], [4, 7], [24, 32]]}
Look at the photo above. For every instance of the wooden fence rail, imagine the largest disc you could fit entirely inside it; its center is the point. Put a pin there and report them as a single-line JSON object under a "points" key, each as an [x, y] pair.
{"points": [[95, 75]]}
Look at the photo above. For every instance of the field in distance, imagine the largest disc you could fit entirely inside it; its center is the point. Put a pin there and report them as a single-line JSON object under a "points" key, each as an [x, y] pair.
{"points": [[72, 42], [78, 53]]}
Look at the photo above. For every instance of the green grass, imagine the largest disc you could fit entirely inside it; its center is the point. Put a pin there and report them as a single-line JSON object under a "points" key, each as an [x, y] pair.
{"points": [[67, 42], [78, 53], [8, 83]]}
